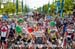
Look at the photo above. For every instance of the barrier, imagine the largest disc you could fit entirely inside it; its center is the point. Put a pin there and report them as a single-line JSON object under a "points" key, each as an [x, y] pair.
{"points": [[35, 46], [18, 47]]}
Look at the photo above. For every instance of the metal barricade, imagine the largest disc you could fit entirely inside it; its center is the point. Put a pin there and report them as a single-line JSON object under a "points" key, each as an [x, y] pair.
{"points": [[35, 46], [18, 47]]}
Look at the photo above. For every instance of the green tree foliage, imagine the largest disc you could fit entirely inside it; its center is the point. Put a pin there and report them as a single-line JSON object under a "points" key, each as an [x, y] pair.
{"points": [[10, 8], [26, 9], [45, 8], [53, 7], [39, 9], [68, 6]]}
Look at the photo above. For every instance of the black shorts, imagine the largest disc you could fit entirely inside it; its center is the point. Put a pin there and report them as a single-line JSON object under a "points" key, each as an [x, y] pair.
{"points": [[11, 34], [14, 30], [69, 40], [3, 39], [0, 32]]}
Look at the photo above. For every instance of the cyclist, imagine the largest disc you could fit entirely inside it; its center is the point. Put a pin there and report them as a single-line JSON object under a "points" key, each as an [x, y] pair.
{"points": [[68, 35], [4, 33]]}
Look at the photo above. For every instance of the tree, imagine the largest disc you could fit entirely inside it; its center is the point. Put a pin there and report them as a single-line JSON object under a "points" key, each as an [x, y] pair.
{"points": [[39, 9], [68, 5], [53, 8], [10, 8], [26, 9], [46, 8]]}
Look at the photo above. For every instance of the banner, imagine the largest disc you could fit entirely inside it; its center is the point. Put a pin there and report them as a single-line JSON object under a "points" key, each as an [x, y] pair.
{"points": [[62, 6], [57, 6]]}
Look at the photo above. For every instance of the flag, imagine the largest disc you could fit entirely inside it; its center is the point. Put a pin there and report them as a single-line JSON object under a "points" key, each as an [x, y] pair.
{"points": [[58, 6], [58, 3], [62, 5], [16, 6]]}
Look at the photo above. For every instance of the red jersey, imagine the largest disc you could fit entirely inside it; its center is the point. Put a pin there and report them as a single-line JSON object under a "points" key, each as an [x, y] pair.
{"points": [[4, 29], [30, 30]]}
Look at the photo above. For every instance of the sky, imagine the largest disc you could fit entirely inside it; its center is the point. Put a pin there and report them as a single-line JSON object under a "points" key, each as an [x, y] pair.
{"points": [[35, 3]]}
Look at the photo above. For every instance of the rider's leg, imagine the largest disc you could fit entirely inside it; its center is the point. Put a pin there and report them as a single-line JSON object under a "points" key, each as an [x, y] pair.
{"points": [[73, 44]]}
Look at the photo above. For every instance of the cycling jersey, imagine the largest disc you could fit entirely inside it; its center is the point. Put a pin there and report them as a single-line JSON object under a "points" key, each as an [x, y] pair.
{"points": [[13, 25], [30, 29], [18, 30], [53, 31], [53, 35], [4, 30], [69, 35]]}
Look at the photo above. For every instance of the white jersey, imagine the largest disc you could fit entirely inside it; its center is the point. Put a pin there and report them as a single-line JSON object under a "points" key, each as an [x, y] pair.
{"points": [[54, 28], [3, 34], [13, 25], [4, 30], [70, 31]]}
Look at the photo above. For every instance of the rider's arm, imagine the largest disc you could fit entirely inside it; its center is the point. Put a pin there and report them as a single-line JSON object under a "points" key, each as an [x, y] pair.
{"points": [[8, 32]]}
